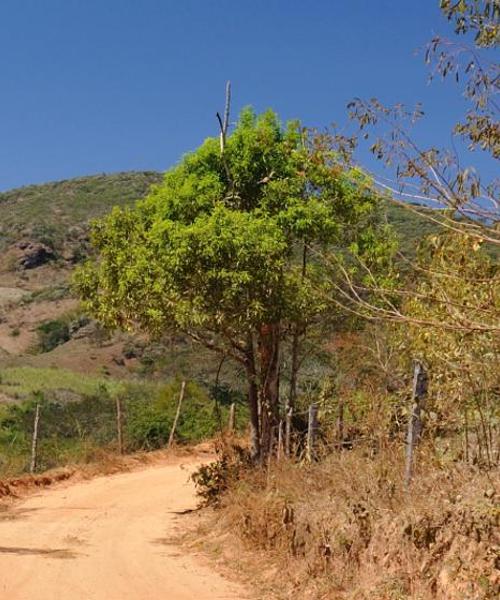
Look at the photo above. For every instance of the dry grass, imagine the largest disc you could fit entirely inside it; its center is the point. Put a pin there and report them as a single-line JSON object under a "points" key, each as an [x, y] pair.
{"points": [[347, 528]]}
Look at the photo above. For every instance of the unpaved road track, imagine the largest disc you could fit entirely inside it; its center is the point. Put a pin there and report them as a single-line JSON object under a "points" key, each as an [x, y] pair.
{"points": [[106, 539]]}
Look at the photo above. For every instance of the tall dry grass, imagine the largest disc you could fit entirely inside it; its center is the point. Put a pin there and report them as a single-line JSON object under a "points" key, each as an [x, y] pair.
{"points": [[346, 527]]}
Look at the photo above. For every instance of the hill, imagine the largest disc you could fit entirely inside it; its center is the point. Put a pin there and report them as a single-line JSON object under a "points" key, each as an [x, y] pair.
{"points": [[48, 213]]}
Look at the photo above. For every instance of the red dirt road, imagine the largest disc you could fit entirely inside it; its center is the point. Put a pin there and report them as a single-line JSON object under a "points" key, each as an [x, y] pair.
{"points": [[106, 539]]}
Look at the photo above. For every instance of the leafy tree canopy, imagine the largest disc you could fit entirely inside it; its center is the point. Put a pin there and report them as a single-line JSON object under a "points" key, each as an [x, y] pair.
{"points": [[213, 250], [217, 250]]}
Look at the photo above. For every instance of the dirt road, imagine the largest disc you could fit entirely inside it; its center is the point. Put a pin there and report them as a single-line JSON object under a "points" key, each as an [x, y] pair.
{"points": [[106, 539]]}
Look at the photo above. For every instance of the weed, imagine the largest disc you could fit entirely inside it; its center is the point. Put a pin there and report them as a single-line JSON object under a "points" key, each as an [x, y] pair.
{"points": [[214, 479]]}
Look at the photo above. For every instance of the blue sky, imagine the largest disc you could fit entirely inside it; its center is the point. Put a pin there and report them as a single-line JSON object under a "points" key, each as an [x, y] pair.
{"points": [[92, 86]]}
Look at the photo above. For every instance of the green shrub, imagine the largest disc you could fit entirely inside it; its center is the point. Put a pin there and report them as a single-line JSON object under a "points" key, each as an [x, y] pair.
{"points": [[48, 294], [52, 334], [79, 421], [149, 420], [48, 234], [69, 431], [213, 479]]}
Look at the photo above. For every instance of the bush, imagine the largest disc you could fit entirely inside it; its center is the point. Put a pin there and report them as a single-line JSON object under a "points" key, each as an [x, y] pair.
{"points": [[68, 430], [214, 479], [58, 331], [52, 334], [147, 428], [149, 420], [49, 235], [77, 421]]}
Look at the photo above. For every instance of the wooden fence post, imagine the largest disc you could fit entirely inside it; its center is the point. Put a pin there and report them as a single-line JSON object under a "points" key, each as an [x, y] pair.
{"points": [[312, 429], [279, 450], [34, 441], [232, 418], [119, 425], [174, 425], [340, 423], [270, 454], [419, 391], [288, 431]]}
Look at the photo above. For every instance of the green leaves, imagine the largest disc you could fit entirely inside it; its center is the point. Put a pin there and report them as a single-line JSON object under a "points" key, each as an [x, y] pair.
{"points": [[453, 322], [213, 249]]}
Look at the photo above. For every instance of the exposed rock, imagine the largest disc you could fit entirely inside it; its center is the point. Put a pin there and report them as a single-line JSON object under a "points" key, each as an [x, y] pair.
{"points": [[76, 253], [84, 331], [34, 254], [77, 325]]}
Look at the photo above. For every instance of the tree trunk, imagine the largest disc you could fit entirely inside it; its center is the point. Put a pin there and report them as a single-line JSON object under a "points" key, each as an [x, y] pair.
{"points": [[279, 451], [312, 430], [269, 350], [299, 331], [340, 423], [288, 432], [294, 369], [232, 418], [119, 424], [177, 415], [253, 401]]}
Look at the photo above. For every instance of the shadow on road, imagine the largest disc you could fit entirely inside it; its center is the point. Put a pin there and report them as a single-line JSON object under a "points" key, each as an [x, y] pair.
{"points": [[48, 552]]}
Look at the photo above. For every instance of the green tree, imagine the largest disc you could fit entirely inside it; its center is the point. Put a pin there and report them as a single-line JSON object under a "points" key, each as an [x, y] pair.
{"points": [[217, 250], [458, 287]]}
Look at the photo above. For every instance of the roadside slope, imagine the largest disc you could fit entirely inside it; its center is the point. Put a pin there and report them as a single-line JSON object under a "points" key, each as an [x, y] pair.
{"points": [[106, 539]]}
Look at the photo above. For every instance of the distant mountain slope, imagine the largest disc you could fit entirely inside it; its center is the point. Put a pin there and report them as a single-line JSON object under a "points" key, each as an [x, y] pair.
{"points": [[410, 227], [47, 212]]}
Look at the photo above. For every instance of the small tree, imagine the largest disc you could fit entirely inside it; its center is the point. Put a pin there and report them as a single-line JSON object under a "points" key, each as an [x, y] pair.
{"points": [[432, 181], [216, 251], [459, 286]]}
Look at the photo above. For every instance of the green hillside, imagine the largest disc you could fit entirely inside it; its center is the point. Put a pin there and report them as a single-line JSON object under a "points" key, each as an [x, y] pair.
{"points": [[57, 214], [410, 227], [48, 212]]}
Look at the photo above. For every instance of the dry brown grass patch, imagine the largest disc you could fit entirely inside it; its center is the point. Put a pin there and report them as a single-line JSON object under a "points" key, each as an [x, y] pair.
{"points": [[347, 528]]}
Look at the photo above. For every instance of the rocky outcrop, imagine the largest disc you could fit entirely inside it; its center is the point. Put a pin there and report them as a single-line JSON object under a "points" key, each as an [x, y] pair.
{"points": [[34, 254]]}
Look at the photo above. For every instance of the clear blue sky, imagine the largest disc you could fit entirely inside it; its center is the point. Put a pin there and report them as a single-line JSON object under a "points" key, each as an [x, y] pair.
{"points": [[91, 86]]}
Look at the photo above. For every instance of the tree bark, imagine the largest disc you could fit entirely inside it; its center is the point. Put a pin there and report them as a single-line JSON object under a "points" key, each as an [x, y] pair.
{"points": [[119, 424], [288, 432], [299, 330], [253, 401], [232, 418], [279, 450], [340, 423], [177, 415], [269, 350], [312, 430], [294, 369]]}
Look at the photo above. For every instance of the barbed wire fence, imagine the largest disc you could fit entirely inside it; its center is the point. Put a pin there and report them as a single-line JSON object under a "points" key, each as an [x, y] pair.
{"points": [[56, 428]]}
